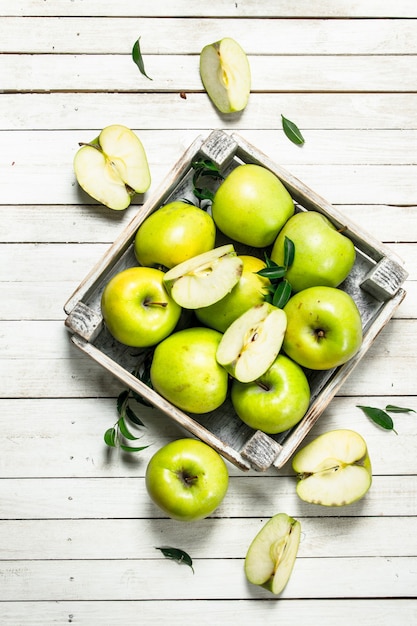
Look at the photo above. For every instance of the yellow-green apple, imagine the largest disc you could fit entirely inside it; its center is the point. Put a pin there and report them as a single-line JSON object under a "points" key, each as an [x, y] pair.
{"points": [[252, 205], [185, 371], [205, 278], [324, 328], [136, 307], [252, 342], [334, 469], [271, 556], [187, 479], [323, 255], [226, 76], [251, 289], [113, 167], [276, 401], [174, 233]]}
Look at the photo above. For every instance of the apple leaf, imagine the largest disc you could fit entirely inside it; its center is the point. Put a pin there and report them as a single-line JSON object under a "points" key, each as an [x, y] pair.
{"points": [[282, 294], [175, 554], [292, 131], [289, 252], [379, 416], [137, 58], [398, 409], [110, 437], [272, 272], [125, 431]]}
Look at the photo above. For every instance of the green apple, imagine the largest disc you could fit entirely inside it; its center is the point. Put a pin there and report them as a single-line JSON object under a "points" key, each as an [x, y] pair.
{"points": [[226, 76], [276, 401], [334, 469], [174, 233], [205, 278], [252, 205], [271, 556], [252, 342], [185, 371], [324, 328], [113, 167], [323, 255], [137, 309], [251, 289], [187, 479]]}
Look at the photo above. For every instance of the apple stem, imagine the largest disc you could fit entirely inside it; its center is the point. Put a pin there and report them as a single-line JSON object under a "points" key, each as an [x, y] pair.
{"points": [[92, 145], [262, 385], [150, 303], [343, 229]]}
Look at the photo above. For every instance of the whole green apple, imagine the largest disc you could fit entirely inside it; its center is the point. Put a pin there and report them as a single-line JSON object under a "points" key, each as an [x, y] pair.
{"points": [[276, 401], [187, 479], [324, 328], [323, 255], [252, 205], [185, 371], [174, 233], [250, 290], [137, 309]]}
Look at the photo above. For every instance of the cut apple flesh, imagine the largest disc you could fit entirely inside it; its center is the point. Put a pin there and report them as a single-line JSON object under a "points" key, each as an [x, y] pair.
{"points": [[205, 278], [225, 72], [334, 469], [271, 555], [126, 153], [252, 342]]}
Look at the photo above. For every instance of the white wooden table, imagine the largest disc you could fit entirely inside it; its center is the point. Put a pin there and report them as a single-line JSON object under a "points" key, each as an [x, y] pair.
{"points": [[77, 529]]}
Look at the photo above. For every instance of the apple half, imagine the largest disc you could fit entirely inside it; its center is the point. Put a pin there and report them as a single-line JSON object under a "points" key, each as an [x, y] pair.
{"points": [[334, 469], [226, 76], [113, 167], [204, 279], [252, 342], [271, 555]]}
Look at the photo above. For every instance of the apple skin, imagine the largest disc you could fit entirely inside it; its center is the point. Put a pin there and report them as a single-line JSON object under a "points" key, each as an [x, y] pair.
{"points": [[174, 233], [324, 328], [323, 255], [250, 290], [185, 371], [252, 205], [276, 401], [187, 479], [137, 309]]}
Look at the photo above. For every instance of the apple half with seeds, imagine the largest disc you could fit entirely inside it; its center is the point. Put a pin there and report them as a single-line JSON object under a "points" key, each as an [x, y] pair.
{"points": [[252, 342], [205, 278], [271, 556], [225, 72], [113, 167], [334, 469]]}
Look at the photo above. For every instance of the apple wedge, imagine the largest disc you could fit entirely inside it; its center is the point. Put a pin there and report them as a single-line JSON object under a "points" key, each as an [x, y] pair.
{"points": [[113, 167], [252, 342], [334, 469], [205, 278], [271, 555], [225, 72]]}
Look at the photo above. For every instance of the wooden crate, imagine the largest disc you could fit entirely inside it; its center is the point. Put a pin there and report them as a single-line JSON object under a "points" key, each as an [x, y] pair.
{"points": [[375, 283]]}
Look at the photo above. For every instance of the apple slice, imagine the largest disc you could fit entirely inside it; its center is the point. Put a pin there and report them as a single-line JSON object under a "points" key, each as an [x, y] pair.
{"points": [[113, 167], [334, 469], [225, 72], [271, 556], [252, 342], [205, 278]]}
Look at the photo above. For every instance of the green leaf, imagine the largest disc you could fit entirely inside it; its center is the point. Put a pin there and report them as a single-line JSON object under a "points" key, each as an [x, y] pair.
{"points": [[289, 252], [379, 416], [110, 437], [137, 58], [272, 272], [133, 417], [398, 409], [125, 431], [133, 449], [292, 131], [121, 401], [175, 554], [282, 294], [203, 193]]}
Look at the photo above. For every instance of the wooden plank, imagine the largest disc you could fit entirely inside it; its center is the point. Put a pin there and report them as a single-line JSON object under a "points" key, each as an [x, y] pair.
{"points": [[176, 73], [366, 612], [312, 111], [255, 8], [135, 579], [256, 36]]}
